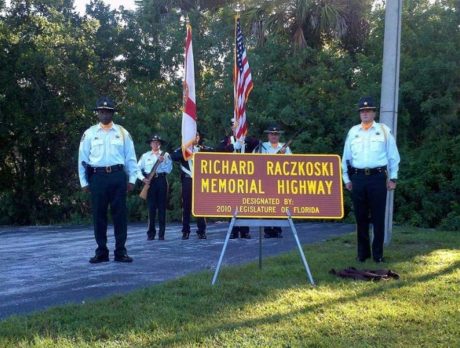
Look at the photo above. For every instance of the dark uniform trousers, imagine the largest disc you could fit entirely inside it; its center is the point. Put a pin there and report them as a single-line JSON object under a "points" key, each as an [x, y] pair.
{"points": [[273, 232], [242, 231], [156, 199], [187, 207], [226, 145], [369, 201], [109, 189]]}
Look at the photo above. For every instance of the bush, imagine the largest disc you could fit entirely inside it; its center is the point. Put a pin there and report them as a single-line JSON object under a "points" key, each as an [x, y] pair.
{"points": [[429, 188]]}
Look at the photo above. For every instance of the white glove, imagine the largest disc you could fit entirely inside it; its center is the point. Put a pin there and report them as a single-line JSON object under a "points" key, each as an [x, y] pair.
{"points": [[237, 145]]}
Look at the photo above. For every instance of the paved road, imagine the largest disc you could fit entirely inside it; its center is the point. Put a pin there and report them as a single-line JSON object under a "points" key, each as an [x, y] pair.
{"points": [[42, 267]]}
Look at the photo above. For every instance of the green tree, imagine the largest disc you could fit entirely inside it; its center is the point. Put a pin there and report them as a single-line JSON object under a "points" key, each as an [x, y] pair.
{"points": [[46, 58], [310, 61], [311, 23]]}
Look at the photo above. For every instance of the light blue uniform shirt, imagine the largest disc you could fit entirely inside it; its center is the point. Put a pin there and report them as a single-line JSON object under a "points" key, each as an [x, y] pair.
{"points": [[101, 148], [373, 148], [268, 148], [149, 159]]}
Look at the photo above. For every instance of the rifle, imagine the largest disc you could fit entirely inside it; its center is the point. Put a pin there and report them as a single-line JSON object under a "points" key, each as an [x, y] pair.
{"points": [[152, 174], [205, 148], [259, 147], [285, 146]]}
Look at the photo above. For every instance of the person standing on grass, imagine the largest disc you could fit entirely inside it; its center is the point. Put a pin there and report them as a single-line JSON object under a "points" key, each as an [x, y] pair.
{"points": [[370, 165], [107, 168]]}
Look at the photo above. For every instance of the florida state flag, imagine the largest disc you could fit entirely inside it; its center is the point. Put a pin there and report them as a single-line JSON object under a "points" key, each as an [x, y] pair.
{"points": [[189, 110]]}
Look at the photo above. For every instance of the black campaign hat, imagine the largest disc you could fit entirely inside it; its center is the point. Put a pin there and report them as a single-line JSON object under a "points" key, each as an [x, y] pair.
{"points": [[200, 133], [366, 103], [202, 136], [105, 103], [155, 138], [274, 129]]}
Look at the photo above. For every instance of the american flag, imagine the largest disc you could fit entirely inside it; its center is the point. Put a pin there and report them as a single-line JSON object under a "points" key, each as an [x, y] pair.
{"points": [[242, 83]]}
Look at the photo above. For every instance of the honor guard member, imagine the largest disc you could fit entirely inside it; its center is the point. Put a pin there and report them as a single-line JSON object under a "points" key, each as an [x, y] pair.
{"points": [[157, 195], [370, 166], [230, 144], [107, 167], [186, 168], [273, 146]]}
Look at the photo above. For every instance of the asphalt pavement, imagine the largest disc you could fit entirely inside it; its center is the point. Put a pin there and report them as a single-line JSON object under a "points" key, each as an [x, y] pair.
{"points": [[46, 266]]}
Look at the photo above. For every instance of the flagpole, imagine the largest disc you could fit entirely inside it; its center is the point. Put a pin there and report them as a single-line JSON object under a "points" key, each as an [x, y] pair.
{"points": [[235, 97], [390, 88], [189, 114], [242, 81]]}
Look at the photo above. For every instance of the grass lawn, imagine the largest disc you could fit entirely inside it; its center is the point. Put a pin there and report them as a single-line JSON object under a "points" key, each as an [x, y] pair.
{"points": [[275, 306]]}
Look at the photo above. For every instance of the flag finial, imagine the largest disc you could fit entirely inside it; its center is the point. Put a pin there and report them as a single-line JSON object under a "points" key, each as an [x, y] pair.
{"points": [[238, 8]]}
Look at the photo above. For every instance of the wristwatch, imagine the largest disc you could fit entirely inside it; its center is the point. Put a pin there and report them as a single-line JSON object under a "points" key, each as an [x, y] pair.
{"points": [[393, 181]]}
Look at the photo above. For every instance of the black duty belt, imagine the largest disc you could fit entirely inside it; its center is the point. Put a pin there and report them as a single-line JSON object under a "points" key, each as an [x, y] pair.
{"points": [[368, 171], [108, 169], [158, 175]]}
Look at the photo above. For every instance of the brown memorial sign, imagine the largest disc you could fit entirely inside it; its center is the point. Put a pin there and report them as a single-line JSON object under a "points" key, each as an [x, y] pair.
{"points": [[266, 186]]}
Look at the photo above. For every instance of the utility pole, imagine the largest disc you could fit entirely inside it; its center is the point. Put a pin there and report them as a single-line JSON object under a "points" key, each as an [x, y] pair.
{"points": [[390, 87]]}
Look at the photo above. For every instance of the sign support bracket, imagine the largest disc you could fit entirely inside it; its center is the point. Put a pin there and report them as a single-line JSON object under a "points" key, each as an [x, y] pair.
{"points": [[261, 224]]}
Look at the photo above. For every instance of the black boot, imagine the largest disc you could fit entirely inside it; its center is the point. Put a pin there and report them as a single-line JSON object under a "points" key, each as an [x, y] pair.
{"points": [[185, 235], [151, 235], [245, 235], [277, 232], [99, 258], [201, 234], [268, 232]]}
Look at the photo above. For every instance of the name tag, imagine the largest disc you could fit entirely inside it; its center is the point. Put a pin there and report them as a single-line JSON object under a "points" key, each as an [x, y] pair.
{"points": [[378, 138], [97, 142]]}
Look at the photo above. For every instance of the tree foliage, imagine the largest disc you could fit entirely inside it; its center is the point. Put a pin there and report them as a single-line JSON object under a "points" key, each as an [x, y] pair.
{"points": [[310, 61]]}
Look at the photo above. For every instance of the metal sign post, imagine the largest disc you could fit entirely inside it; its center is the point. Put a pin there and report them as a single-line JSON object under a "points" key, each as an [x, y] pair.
{"points": [[390, 87], [261, 224]]}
